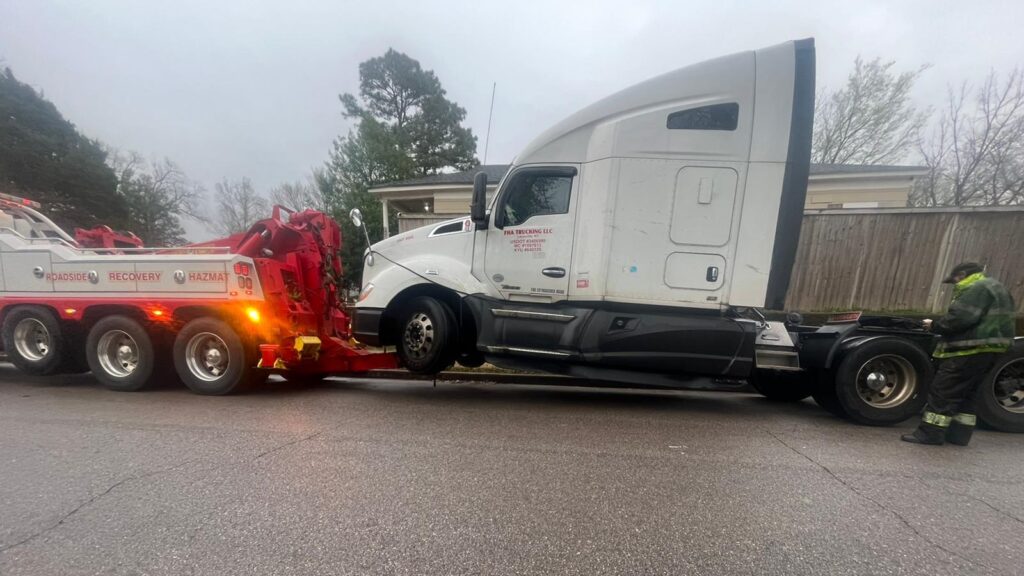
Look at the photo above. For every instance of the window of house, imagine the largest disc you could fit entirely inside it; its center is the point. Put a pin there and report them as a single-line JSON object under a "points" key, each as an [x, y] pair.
{"points": [[536, 194], [713, 117]]}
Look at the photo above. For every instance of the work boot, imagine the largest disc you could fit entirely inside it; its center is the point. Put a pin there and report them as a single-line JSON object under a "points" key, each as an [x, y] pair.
{"points": [[960, 429], [926, 434]]}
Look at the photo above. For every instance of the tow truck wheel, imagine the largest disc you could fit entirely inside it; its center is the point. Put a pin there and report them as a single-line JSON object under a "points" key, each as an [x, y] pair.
{"points": [[1000, 400], [883, 381], [427, 339], [120, 353], [779, 386], [33, 340], [211, 358]]}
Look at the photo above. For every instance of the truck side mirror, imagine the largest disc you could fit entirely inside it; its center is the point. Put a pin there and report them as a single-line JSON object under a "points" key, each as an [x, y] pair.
{"points": [[357, 217], [478, 207]]}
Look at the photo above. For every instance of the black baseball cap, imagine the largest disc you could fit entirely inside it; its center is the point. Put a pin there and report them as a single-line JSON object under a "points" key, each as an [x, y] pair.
{"points": [[965, 268]]}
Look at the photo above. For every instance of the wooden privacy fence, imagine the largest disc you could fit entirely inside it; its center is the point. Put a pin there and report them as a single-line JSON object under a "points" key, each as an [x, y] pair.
{"points": [[894, 259]]}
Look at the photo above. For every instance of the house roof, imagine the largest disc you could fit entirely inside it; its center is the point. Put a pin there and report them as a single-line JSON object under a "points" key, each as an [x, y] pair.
{"points": [[494, 174], [496, 171], [830, 169]]}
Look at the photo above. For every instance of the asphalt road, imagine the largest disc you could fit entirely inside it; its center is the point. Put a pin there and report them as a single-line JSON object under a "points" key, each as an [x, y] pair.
{"points": [[373, 477]]}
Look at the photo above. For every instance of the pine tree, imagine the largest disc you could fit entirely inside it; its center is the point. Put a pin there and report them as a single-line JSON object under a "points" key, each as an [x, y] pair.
{"points": [[405, 127], [44, 157]]}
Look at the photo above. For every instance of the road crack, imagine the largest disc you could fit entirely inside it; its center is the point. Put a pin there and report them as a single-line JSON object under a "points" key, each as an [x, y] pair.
{"points": [[878, 504], [284, 445], [995, 509], [64, 518], [93, 499]]}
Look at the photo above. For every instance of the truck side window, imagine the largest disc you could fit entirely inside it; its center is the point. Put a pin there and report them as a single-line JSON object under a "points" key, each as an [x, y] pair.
{"points": [[713, 117], [535, 195]]}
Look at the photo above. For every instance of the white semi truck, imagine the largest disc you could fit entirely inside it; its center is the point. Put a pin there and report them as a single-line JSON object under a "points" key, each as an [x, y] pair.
{"points": [[638, 241]]}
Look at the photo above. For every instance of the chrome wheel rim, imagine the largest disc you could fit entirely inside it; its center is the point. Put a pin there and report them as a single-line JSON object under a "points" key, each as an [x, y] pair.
{"points": [[118, 353], [32, 339], [207, 356], [886, 381], [1009, 386], [418, 336]]}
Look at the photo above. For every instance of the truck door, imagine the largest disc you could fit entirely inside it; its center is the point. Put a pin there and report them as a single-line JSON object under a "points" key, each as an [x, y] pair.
{"points": [[529, 244]]}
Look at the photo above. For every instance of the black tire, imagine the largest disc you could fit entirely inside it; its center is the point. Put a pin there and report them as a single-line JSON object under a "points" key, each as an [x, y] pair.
{"points": [[824, 394], [427, 337], [902, 372], [74, 357], [34, 341], [120, 354], [780, 386], [1003, 384], [471, 359], [212, 359]]}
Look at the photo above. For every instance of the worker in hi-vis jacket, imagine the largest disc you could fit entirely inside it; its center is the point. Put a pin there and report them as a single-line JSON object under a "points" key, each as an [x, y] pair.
{"points": [[977, 328]]}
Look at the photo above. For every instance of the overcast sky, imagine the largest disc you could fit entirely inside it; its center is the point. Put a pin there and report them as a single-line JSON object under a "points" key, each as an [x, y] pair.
{"points": [[249, 88]]}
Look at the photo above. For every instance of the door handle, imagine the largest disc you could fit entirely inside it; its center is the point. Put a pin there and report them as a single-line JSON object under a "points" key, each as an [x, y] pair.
{"points": [[553, 272]]}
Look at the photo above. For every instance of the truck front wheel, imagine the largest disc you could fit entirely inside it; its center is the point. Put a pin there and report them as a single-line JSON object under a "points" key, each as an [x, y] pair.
{"points": [[883, 381], [427, 338], [120, 353], [34, 341], [211, 358]]}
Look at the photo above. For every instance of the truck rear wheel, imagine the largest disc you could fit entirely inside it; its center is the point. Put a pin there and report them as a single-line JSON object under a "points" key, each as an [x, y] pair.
{"points": [[120, 354], [883, 381], [212, 359], [427, 339], [824, 395], [34, 341], [780, 386], [1000, 400]]}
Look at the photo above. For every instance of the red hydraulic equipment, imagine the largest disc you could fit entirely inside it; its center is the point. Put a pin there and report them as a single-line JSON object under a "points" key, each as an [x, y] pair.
{"points": [[303, 326]]}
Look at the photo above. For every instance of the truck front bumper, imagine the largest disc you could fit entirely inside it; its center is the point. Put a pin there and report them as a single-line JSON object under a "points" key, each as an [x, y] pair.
{"points": [[366, 325]]}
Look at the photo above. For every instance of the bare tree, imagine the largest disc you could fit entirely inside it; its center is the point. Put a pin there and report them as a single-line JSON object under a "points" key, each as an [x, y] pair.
{"points": [[158, 194], [869, 121], [238, 206], [975, 154], [299, 195]]}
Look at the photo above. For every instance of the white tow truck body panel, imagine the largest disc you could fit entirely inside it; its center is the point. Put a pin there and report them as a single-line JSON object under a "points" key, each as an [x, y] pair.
{"points": [[49, 267]]}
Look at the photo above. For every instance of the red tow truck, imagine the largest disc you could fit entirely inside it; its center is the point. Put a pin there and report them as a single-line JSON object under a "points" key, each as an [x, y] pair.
{"points": [[219, 315]]}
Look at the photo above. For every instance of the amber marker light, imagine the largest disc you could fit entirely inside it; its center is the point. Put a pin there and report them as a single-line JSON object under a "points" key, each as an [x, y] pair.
{"points": [[253, 314]]}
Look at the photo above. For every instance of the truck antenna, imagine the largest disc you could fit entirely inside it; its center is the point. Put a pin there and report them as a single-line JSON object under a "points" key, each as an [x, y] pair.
{"points": [[487, 139]]}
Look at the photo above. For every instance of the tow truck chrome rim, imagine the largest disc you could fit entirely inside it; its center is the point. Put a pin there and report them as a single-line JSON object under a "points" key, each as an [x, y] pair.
{"points": [[32, 339], [419, 335], [1009, 386], [207, 356], [118, 353], [886, 381]]}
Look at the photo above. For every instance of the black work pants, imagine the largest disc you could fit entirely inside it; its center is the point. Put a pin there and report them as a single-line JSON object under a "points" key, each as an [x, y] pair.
{"points": [[956, 383]]}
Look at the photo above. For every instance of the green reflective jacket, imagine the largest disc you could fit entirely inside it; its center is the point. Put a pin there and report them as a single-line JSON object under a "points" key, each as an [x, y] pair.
{"points": [[980, 319]]}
